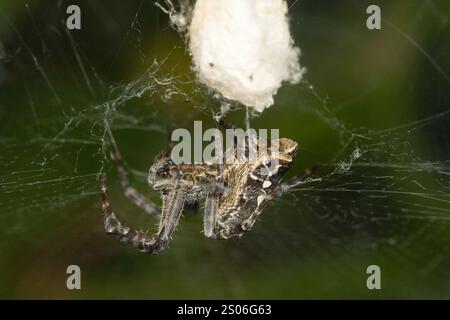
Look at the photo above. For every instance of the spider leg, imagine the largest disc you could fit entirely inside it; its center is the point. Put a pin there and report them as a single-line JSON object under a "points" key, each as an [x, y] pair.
{"points": [[144, 241], [225, 124], [210, 225], [209, 218], [130, 192], [113, 226], [173, 203]]}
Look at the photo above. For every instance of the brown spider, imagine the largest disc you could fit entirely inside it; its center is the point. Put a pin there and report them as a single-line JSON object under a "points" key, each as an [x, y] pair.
{"points": [[235, 195]]}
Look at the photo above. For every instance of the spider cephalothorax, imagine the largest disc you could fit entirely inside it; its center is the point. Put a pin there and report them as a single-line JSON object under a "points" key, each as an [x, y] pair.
{"points": [[235, 194]]}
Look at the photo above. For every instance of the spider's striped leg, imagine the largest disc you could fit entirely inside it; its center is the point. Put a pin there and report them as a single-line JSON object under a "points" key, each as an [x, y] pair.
{"points": [[113, 226], [225, 125], [173, 204], [145, 242], [210, 225], [210, 215], [130, 192]]}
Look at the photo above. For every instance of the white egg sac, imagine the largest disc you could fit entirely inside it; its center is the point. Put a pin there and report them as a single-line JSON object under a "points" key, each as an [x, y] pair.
{"points": [[243, 49]]}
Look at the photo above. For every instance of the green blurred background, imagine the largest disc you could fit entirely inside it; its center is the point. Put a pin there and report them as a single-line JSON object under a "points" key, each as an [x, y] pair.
{"points": [[384, 94]]}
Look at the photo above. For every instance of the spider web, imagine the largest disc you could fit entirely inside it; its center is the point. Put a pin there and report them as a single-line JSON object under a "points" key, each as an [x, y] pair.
{"points": [[381, 196]]}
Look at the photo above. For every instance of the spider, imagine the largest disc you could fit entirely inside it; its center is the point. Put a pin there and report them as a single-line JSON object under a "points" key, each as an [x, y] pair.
{"points": [[235, 195]]}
